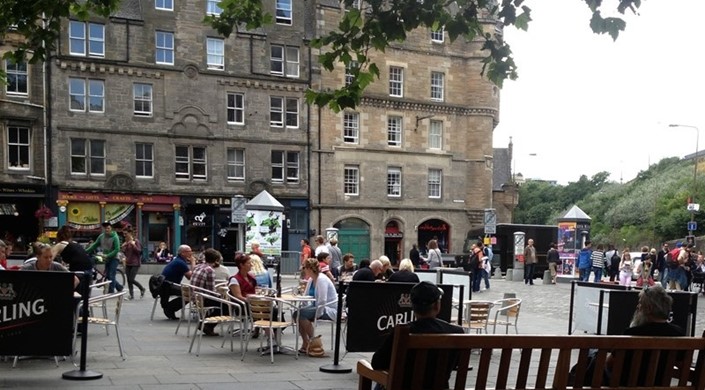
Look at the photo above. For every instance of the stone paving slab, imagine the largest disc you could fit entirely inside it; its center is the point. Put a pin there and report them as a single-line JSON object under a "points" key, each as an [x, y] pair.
{"points": [[156, 358]]}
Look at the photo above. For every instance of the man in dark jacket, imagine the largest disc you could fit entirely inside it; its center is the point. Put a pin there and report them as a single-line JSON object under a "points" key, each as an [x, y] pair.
{"points": [[426, 303]]}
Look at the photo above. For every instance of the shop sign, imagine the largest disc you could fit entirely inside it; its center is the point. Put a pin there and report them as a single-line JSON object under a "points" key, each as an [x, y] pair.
{"points": [[8, 189], [118, 198], [199, 220], [214, 201], [427, 227]]}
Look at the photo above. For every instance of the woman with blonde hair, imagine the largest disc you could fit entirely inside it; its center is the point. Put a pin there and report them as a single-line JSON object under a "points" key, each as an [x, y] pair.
{"points": [[434, 255], [323, 289], [405, 274]]}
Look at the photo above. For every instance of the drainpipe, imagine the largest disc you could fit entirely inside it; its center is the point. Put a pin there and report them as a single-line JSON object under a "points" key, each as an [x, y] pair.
{"points": [[46, 75]]}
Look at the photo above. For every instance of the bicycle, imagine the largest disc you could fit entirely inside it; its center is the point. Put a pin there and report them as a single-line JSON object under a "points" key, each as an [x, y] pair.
{"points": [[99, 275]]}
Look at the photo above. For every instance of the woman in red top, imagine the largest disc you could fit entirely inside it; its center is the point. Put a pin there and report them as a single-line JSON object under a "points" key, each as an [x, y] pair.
{"points": [[242, 283]]}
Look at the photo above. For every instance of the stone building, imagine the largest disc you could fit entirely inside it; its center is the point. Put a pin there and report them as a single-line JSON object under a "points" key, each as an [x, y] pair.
{"points": [[414, 161], [158, 121], [23, 172]]}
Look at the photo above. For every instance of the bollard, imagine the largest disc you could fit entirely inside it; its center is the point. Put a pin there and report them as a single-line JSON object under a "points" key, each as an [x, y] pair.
{"points": [[497, 273], [509, 295], [509, 273], [547, 277]]}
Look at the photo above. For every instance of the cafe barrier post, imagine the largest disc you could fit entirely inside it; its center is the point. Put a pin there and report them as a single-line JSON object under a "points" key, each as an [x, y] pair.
{"points": [[82, 373], [337, 368]]}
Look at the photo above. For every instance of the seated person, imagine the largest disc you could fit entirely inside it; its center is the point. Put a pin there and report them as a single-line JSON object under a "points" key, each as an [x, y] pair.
{"points": [[348, 268], [368, 273], [324, 260], [259, 271], [321, 287], [44, 261], [405, 274], [650, 319], [426, 303], [387, 270], [162, 254], [243, 283], [221, 272], [180, 267]]}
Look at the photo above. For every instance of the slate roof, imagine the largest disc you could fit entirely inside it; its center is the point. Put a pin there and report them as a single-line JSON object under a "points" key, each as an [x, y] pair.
{"points": [[264, 201], [575, 214], [502, 168], [129, 9]]}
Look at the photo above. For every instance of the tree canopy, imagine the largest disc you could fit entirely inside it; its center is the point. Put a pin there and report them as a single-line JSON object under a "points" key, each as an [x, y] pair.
{"points": [[375, 26], [645, 211]]}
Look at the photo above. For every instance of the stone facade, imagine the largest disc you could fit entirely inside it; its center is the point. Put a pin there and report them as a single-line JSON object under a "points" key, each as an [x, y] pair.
{"points": [[467, 111]]}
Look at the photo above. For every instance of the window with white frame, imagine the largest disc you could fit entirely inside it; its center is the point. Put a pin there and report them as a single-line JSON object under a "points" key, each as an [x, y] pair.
{"points": [[86, 95], [396, 81], [19, 141], [394, 182], [93, 43], [236, 164], [190, 163], [435, 135], [164, 5], [437, 85], [357, 4], [142, 95], [281, 109], [284, 61], [285, 166], [394, 130], [351, 127], [164, 44], [437, 35], [87, 157], [17, 77], [435, 177], [283, 12], [144, 160], [216, 53], [212, 7], [351, 180], [349, 76], [236, 108]]}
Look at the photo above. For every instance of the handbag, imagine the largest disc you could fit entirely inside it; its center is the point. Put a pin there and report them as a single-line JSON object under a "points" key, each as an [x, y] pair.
{"points": [[315, 347]]}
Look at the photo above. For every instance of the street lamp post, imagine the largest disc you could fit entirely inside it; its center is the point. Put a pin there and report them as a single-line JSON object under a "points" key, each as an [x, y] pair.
{"points": [[695, 169]]}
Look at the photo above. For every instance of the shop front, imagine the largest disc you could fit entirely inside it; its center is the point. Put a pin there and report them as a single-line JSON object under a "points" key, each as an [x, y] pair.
{"points": [[393, 236], [434, 229], [153, 218], [207, 224], [19, 225]]}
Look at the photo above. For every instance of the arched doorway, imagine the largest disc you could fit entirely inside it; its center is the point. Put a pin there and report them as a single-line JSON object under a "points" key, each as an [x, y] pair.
{"points": [[354, 237], [434, 229], [392, 242]]}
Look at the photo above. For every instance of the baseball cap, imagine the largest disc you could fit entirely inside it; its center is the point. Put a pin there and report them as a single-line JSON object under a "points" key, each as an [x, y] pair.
{"points": [[679, 244], [425, 293]]}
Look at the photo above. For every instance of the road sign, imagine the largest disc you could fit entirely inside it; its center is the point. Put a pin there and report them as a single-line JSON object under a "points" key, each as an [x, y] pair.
{"points": [[490, 221], [692, 225], [238, 213], [693, 206]]}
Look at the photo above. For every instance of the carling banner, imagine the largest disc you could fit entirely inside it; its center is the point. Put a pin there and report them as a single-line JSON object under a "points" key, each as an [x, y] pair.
{"points": [[36, 313], [374, 309]]}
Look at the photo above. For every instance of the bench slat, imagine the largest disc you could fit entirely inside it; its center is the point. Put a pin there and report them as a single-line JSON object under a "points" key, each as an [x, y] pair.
{"points": [[483, 369], [504, 363], [617, 366], [581, 366], [419, 369], [560, 378], [542, 373], [600, 360], [635, 367], [668, 368], [523, 372], [653, 366], [461, 376], [684, 365]]}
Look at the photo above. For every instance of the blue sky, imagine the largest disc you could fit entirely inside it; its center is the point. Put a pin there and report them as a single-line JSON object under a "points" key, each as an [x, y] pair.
{"points": [[584, 103]]}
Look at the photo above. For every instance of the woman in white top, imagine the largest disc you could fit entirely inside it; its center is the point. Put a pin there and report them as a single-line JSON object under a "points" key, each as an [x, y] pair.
{"points": [[323, 289], [625, 268], [434, 255]]}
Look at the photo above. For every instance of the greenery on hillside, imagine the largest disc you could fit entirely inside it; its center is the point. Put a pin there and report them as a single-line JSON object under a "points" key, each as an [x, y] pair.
{"points": [[645, 211]]}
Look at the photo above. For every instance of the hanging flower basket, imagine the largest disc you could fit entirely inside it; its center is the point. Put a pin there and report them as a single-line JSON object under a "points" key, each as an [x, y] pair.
{"points": [[43, 213]]}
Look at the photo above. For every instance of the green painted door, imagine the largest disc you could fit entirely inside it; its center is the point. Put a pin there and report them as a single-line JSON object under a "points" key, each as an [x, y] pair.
{"points": [[355, 241]]}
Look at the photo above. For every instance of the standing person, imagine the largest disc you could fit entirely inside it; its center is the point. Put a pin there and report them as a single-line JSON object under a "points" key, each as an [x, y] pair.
{"points": [[644, 271], [426, 303], [484, 265], [677, 278], [660, 265], [529, 262], [613, 259], [552, 257], [584, 262], [415, 256], [132, 249], [71, 252], [109, 243], [625, 268], [180, 267], [306, 253], [597, 258], [434, 255], [336, 257], [320, 245]]}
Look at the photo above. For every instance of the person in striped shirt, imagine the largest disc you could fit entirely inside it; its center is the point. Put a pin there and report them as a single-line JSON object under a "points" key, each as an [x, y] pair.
{"points": [[598, 262]]}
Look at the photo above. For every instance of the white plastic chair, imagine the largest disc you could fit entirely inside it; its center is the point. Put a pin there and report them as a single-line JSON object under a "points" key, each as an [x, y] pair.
{"points": [[506, 314], [105, 321], [231, 319]]}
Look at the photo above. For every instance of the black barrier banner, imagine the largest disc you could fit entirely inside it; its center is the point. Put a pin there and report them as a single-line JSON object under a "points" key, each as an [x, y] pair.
{"points": [[622, 305], [36, 313], [374, 309]]}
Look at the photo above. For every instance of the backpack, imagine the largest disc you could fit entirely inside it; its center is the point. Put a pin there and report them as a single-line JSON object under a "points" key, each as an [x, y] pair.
{"points": [[614, 260], [672, 258], [155, 284]]}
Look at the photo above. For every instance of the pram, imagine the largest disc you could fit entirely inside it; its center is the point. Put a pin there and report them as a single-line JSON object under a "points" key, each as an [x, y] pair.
{"points": [[697, 282]]}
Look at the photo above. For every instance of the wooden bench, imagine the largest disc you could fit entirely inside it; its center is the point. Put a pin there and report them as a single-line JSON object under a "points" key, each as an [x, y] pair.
{"points": [[566, 351]]}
